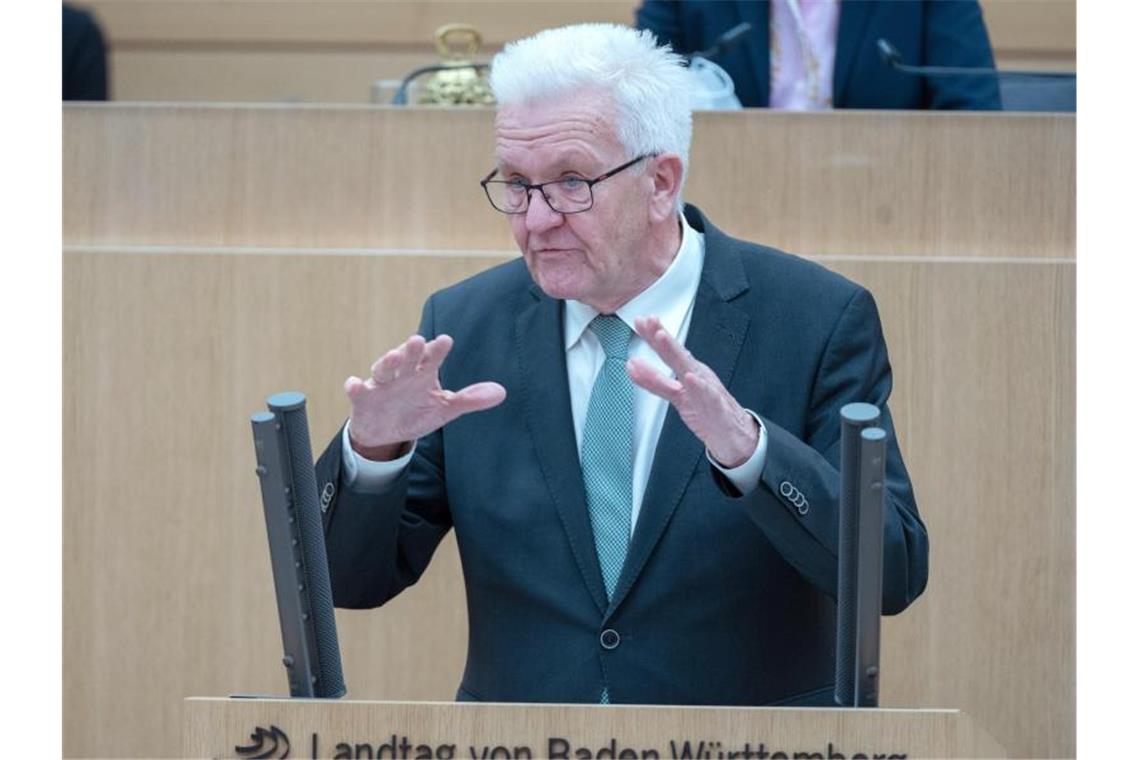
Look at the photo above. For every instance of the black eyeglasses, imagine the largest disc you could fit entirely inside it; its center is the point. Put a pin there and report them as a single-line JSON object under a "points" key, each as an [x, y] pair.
{"points": [[568, 195]]}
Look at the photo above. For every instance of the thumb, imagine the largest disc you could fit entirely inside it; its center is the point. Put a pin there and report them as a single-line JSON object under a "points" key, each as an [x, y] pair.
{"points": [[477, 397]]}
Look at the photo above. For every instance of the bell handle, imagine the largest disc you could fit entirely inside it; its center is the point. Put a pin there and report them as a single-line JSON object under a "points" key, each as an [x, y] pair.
{"points": [[448, 33]]}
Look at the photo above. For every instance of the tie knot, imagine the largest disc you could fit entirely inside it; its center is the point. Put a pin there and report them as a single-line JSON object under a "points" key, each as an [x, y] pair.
{"points": [[613, 334]]}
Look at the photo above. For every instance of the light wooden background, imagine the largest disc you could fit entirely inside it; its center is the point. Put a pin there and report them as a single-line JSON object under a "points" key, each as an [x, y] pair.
{"points": [[333, 50], [214, 255], [358, 177]]}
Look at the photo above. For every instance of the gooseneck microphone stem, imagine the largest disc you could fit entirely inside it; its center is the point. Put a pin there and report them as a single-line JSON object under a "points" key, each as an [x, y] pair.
{"points": [[893, 58], [723, 42]]}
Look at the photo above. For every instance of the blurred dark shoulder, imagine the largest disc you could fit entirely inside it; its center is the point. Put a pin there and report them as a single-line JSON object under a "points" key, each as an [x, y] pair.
{"points": [[84, 56]]}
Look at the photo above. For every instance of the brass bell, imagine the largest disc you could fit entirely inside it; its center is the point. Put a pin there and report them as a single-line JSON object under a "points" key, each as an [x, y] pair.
{"points": [[459, 83]]}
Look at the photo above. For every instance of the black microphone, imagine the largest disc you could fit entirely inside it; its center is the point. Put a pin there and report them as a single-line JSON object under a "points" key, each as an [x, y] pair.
{"points": [[725, 41], [891, 57], [297, 548], [860, 578]]}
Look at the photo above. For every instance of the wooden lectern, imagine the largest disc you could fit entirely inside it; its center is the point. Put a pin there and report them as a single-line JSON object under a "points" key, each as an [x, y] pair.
{"points": [[297, 728]]}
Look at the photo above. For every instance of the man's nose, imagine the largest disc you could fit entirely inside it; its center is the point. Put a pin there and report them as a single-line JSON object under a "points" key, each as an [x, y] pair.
{"points": [[539, 215]]}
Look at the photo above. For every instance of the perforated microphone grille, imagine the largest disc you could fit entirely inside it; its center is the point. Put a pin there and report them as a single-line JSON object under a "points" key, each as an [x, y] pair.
{"points": [[290, 409]]}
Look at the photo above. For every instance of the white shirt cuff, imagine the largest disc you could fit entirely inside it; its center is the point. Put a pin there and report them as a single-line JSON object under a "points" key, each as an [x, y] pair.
{"points": [[746, 477], [367, 476]]}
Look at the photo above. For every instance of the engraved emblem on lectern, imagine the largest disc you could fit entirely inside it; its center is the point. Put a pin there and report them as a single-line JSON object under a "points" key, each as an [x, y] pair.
{"points": [[266, 743]]}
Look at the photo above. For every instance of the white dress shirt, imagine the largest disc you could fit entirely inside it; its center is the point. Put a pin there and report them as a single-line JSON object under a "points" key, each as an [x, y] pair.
{"points": [[671, 298]]}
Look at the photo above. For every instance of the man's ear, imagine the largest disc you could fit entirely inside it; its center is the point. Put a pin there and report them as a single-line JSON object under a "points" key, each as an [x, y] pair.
{"points": [[666, 175]]}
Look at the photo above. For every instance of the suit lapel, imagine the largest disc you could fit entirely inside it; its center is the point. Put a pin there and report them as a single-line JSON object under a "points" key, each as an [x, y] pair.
{"points": [[716, 334], [542, 367], [756, 13], [853, 18]]}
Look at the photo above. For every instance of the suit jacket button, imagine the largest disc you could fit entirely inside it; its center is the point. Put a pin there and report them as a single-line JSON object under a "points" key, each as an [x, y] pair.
{"points": [[610, 639], [786, 489]]}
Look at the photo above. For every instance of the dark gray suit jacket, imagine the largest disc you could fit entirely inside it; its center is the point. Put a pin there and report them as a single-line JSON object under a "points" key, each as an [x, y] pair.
{"points": [[723, 599]]}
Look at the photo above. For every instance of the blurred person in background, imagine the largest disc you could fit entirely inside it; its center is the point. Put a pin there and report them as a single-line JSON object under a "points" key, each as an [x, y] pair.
{"points": [[820, 54], [84, 56]]}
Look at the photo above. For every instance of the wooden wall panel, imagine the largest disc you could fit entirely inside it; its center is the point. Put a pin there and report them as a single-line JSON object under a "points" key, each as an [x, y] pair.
{"points": [[260, 75], [168, 591], [167, 583], [373, 23], [1044, 28], [984, 366], [933, 184]]}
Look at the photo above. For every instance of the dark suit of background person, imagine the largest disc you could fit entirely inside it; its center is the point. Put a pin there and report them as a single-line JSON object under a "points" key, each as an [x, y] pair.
{"points": [[722, 600], [925, 32], [84, 57]]}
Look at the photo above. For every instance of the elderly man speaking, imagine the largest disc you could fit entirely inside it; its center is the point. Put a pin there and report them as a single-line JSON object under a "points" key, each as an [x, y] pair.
{"points": [[633, 429]]}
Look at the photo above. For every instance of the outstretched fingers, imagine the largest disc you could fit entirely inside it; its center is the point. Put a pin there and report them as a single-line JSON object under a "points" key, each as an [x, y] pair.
{"points": [[353, 386], [401, 399], [413, 351], [645, 376], [675, 355], [477, 397], [434, 352], [384, 369], [413, 355]]}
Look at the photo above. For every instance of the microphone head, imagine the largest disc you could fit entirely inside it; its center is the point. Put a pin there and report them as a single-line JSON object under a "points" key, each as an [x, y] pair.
{"points": [[888, 52]]}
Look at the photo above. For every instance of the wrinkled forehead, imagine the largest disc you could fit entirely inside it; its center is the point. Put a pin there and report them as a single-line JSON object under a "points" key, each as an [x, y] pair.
{"points": [[582, 125]]}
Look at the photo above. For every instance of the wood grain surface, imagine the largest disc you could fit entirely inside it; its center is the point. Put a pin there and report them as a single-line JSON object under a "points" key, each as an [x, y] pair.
{"points": [[854, 182]]}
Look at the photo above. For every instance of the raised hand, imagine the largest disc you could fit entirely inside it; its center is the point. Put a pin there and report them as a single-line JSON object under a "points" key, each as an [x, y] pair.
{"points": [[402, 399], [705, 405]]}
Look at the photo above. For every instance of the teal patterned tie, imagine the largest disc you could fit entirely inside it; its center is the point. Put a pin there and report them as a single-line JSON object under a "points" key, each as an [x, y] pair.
{"points": [[607, 450], [607, 454]]}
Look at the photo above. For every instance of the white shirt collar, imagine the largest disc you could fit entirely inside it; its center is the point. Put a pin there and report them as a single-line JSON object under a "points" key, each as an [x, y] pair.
{"points": [[669, 297]]}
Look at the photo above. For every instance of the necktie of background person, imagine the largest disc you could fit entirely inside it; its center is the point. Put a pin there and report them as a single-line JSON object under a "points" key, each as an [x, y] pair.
{"points": [[607, 453], [801, 43]]}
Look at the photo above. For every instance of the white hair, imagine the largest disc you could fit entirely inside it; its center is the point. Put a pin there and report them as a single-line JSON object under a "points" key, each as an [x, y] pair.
{"points": [[649, 85]]}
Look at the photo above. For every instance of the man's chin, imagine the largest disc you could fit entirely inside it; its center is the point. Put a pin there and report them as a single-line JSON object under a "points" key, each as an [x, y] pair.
{"points": [[559, 291], [558, 285]]}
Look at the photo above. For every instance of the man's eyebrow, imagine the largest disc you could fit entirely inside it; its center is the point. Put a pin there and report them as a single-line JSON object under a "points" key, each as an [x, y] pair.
{"points": [[568, 160], [506, 168]]}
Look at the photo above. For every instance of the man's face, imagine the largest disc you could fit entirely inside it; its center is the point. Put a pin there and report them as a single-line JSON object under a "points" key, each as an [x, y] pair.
{"points": [[600, 256]]}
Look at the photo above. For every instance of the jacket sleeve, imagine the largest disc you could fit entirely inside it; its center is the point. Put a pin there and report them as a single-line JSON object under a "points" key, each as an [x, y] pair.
{"points": [[379, 544], [665, 20], [955, 35], [797, 502]]}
